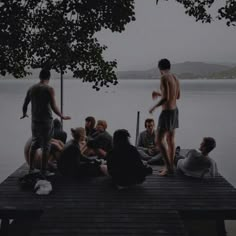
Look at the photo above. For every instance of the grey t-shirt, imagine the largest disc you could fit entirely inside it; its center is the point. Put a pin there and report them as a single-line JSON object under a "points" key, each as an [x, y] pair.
{"points": [[146, 140], [194, 164], [40, 97]]}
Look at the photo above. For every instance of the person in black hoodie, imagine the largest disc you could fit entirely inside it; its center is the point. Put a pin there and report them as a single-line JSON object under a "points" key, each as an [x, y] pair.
{"points": [[124, 164]]}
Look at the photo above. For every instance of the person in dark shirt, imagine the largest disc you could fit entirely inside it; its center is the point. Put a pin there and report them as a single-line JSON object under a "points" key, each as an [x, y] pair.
{"points": [[124, 164], [57, 142], [101, 143], [58, 132], [42, 98], [72, 163], [90, 126]]}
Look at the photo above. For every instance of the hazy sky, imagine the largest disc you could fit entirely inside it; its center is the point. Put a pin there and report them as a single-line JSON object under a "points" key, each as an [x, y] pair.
{"points": [[164, 30]]}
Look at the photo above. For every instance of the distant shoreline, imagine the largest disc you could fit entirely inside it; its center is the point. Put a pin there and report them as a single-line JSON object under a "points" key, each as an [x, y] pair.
{"points": [[183, 71], [71, 78]]}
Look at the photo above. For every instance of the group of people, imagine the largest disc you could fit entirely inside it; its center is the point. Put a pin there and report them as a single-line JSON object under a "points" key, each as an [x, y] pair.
{"points": [[194, 163], [93, 151]]}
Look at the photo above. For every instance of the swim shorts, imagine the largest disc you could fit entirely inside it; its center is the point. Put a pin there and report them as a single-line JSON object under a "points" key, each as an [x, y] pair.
{"points": [[168, 120]]}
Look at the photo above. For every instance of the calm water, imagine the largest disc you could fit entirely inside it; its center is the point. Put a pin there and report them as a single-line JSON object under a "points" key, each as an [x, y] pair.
{"points": [[207, 108]]}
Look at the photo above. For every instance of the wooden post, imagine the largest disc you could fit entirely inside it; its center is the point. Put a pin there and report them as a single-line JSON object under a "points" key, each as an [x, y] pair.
{"points": [[4, 227], [61, 97], [137, 128], [220, 227]]}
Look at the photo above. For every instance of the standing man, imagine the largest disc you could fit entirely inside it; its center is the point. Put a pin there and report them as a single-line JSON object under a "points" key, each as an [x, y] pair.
{"points": [[42, 98], [168, 120]]}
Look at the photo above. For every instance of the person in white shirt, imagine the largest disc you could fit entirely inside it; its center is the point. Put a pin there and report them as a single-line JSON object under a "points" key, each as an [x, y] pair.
{"points": [[198, 163]]}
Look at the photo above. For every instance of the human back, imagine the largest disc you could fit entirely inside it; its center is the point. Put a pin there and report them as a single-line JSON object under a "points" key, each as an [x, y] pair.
{"points": [[124, 162], [41, 102]]}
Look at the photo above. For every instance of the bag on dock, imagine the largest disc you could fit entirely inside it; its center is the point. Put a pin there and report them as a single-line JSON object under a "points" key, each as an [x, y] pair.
{"points": [[28, 181], [43, 187]]}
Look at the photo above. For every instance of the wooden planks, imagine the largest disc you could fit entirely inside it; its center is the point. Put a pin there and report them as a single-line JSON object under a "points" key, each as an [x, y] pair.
{"points": [[94, 207]]}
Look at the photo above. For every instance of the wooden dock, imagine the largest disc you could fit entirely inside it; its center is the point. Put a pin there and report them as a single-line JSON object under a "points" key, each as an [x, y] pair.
{"points": [[93, 207]]}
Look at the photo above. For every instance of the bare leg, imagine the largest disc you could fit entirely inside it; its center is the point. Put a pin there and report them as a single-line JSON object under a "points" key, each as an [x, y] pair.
{"points": [[32, 153], [164, 151], [31, 158], [171, 146], [45, 155], [104, 169]]}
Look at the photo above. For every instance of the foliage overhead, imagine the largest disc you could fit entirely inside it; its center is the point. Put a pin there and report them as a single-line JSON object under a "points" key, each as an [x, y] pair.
{"points": [[199, 9], [60, 34]]}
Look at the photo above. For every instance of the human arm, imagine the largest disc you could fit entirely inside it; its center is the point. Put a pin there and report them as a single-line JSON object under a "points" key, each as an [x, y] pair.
{"points": [[55, 107], [164, 95], [213, 169], [153, 151], [101, 152], [94, 147], [25, 105], [178, 88], [156, 94], [57, 143]]}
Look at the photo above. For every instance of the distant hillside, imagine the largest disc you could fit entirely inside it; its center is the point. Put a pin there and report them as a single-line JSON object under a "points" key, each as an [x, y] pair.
{"points": [[226, 74], [35, 75], [186, 70]]}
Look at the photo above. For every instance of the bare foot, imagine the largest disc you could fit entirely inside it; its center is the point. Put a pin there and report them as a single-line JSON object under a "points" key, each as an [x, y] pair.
{"points": [[163, 169], [164, 172]]}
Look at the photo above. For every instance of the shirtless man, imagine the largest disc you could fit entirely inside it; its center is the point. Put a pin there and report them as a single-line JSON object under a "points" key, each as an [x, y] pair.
{"points": [[168, 120]]}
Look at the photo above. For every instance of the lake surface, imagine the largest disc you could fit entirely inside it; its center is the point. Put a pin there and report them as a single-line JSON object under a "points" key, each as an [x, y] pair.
{"points": [[206, 107]]}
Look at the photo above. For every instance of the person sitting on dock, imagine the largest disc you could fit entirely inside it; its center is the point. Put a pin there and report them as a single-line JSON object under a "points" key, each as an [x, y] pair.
{"points": [[147, 144], [101, 143], [55, 151], [198, 164], [72, 163], [58, 132], [57, 141], [124, 163], [90, 126]]}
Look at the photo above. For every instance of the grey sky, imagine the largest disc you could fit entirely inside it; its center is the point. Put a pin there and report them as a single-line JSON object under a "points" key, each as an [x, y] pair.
{"points": [[164, 30]]}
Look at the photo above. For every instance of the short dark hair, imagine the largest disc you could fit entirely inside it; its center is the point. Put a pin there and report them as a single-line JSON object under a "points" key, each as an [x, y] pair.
{"points": [[209, 143], [164, 64], [45, 74], [147, 121], [92, 120], [121, 138]]}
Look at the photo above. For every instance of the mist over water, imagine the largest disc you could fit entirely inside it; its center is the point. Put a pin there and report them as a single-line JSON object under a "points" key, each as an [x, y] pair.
{"points": [[206, 108]]}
